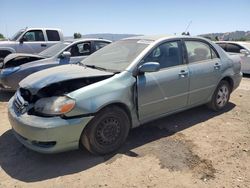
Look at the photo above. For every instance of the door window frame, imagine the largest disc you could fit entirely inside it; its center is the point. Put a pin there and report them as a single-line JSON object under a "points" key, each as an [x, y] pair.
{"points": [[34, 30], [183, 62], [202, 41]]}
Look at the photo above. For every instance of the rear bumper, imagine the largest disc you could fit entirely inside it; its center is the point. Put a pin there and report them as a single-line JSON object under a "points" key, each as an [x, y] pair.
{"points": [[46, 135], [237, 79]]}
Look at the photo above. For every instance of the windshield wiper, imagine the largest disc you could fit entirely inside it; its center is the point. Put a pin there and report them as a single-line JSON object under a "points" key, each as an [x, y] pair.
{"points": [[98, 68]]}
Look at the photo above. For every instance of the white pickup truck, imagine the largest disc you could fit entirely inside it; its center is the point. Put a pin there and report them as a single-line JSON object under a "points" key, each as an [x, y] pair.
{"points": [[30, 40]]}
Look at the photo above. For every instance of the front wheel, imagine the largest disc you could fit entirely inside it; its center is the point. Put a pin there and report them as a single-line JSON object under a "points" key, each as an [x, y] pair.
{"points": [[107, 131], [221, 96]]}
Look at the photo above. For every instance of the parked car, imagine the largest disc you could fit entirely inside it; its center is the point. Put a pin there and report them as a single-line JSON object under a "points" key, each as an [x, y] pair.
{"points": [[238, 48], [124, 85], [30, 40], [16, 68]]}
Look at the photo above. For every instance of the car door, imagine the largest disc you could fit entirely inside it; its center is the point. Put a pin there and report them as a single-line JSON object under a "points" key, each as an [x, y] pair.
{"points": [[204, 70], [32, 41], [53, 37], [78, 51], [164, 91]]}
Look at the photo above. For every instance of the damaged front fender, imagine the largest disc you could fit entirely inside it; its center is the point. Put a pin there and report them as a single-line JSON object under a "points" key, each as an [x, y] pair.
{"points": [[119, 89]]}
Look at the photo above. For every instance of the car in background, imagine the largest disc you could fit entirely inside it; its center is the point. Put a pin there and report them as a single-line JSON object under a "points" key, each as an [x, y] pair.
{"points": [[123, 85], [16, 68], [238, 48], [30, 40]]}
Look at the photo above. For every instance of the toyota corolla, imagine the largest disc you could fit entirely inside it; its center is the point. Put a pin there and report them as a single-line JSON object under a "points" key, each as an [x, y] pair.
{"points": [[121, 86]]}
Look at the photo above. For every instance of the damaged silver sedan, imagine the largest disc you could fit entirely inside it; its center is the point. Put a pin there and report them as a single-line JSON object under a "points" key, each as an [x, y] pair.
{"points": [[121, 86]]}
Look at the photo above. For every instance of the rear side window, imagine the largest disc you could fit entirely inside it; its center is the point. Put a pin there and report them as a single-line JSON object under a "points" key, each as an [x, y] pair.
{"points": [[53, 35], [33, 35], [167, 54], [234, 48], [199, 51], [223, 46], [99, 44]]}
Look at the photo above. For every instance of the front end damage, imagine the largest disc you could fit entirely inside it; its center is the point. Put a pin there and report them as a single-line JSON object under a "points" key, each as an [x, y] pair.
{"points": [[17, 59], [47, 132]]}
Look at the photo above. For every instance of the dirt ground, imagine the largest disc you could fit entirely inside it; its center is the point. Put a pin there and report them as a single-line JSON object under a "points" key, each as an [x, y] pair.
{"points": [[195, 148]]}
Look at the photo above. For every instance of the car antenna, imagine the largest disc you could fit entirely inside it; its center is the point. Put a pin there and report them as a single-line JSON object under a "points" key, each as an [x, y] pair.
{"points": [[185, 32], [6, 30]]}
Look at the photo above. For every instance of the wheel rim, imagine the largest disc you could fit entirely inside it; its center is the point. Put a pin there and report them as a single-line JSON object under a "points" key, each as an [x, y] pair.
{"points": [[108, 131], [222, 96]]}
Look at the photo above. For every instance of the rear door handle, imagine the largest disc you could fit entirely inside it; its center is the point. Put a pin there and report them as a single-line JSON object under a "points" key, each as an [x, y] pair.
{"points": [[217, 66], [43, 45], [183, 73]]}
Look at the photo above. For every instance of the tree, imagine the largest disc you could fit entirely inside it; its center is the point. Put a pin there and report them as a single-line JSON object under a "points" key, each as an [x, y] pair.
{"points": [[1, 36], [217, 38], [77, 35]]}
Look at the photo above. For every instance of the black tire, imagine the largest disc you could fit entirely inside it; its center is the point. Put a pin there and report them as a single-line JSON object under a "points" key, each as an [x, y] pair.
{"points": [[107, 131], [221, 96]]}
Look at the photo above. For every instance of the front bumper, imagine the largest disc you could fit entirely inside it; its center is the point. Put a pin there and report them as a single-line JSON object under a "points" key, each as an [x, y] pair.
{"points": [[46, 134], [4, 84]]}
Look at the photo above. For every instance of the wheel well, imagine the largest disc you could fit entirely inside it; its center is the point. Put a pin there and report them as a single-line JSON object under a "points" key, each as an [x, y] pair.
{"points": [[122, 106], [230, 81], [4, 53]]}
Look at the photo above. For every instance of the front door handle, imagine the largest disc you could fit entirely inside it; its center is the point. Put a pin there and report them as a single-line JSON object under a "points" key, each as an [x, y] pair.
{"points": [[43, 45], [183, 73], [217, 66]]}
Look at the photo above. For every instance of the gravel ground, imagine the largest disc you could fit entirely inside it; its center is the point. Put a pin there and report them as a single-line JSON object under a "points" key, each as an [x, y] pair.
{"points": [[195, 148]]}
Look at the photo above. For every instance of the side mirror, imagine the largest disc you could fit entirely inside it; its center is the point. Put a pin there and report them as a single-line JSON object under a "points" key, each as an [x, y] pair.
{"points": [[65, 54], [149, 67], [21, 40], [245, 52], [24, 38]]}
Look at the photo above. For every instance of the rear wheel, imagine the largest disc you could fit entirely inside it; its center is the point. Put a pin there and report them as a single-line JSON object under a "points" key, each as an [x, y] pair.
{"points": [[107, 131], [221, 96]]}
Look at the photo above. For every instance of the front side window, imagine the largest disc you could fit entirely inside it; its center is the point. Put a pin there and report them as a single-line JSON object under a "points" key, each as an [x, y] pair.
{"points": [[80, 49], [34, 35], [199, 51], [167, 54], [53, 35]]}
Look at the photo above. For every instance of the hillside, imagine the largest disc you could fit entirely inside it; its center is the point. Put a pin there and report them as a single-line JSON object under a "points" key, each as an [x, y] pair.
{"points": [[235, 36]]}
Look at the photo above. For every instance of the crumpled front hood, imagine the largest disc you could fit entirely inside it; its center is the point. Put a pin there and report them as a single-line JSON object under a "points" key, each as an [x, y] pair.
{"points": [[15, 55], [43, 78]]}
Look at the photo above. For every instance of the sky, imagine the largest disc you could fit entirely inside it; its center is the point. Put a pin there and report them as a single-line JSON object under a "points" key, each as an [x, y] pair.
{"points": [[146, 17]]}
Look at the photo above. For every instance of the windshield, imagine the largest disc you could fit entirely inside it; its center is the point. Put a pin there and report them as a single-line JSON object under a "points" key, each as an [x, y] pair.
{"points": [[17, 35], [116, 56], [54, 50]]}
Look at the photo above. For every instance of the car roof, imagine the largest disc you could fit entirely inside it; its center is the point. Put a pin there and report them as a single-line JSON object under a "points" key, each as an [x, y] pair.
{"points": [[163, 37], [234, 42], [87, 39]]}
